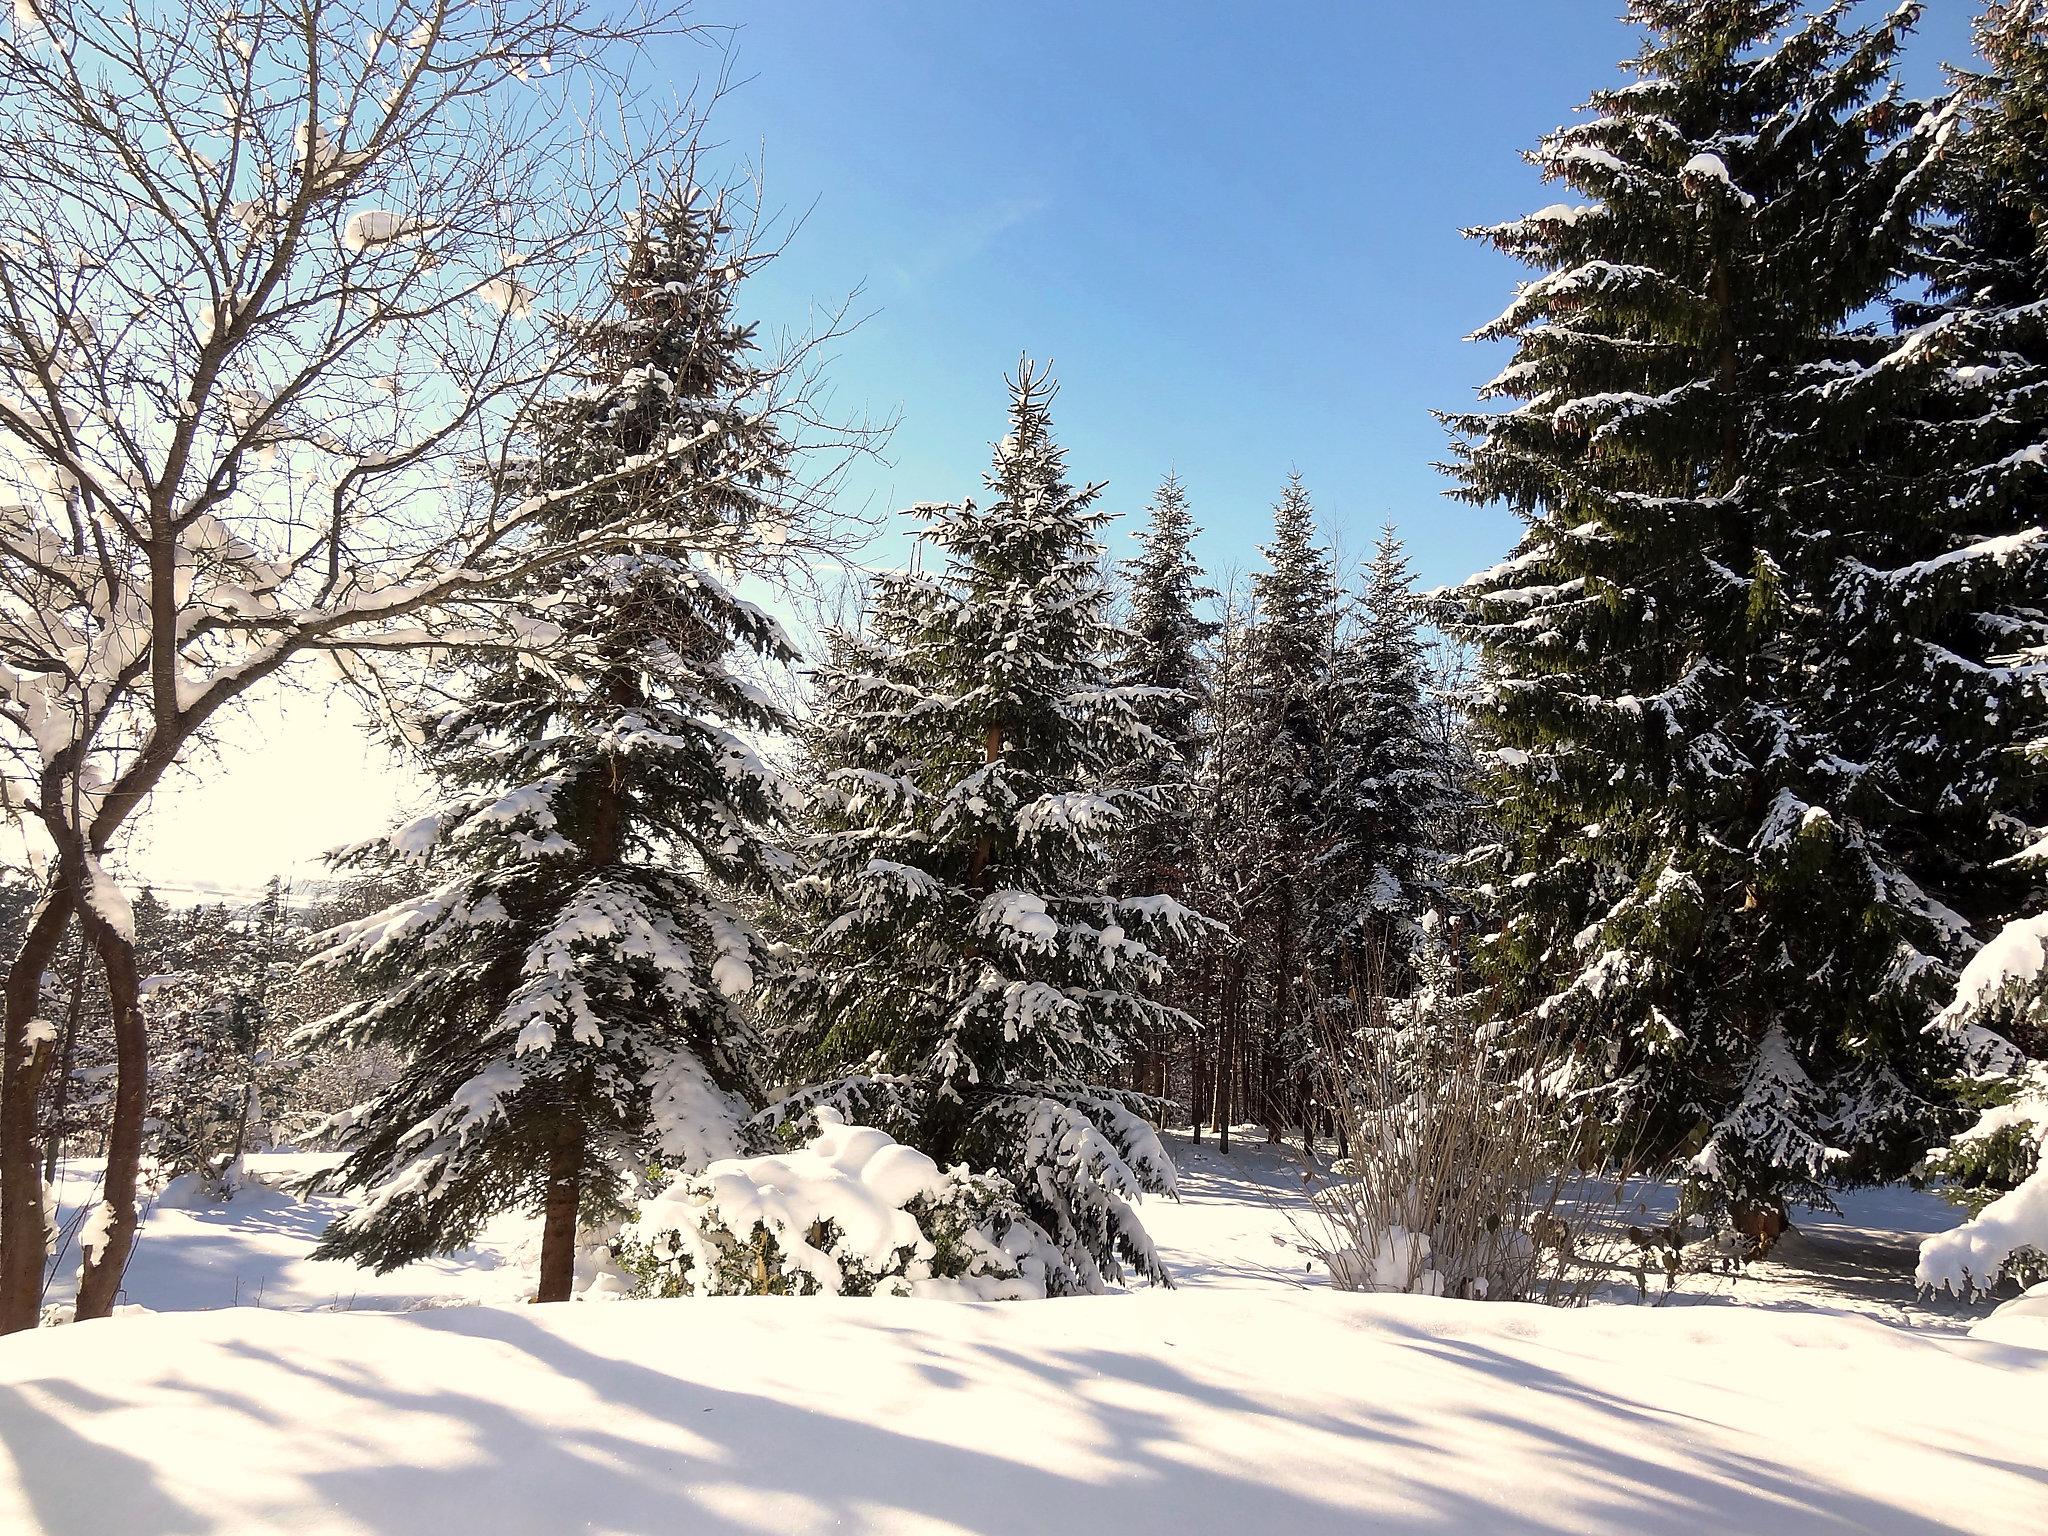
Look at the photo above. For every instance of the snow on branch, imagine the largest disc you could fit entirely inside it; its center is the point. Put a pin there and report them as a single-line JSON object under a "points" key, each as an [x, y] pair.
{"points": [[282, 294]]}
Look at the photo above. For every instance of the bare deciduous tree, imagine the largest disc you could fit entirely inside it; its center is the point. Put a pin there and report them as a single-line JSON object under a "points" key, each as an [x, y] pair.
{"points": [[279, 281]]}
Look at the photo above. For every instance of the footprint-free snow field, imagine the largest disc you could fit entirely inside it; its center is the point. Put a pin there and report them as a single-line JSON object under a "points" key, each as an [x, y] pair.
{"points": [[1250, 1399]]}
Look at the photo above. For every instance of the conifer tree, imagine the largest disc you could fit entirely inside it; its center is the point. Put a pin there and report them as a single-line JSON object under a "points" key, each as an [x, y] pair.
{"points": [[562, 981], [1392, 779], [1959, 420], [1287, 771], [1695, 881], [1970, 378], [967, 982], [1164, 651]]}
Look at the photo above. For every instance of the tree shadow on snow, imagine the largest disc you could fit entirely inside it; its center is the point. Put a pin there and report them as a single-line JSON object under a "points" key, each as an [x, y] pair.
{"points": [[752, 1463]]}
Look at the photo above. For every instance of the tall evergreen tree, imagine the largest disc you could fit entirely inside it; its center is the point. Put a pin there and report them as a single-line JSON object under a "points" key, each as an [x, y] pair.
{"points": [[1164, 653], [1286, 769], [1959, 410], [562, 981], [1392, 777], [968, 984], [1696, 882]]}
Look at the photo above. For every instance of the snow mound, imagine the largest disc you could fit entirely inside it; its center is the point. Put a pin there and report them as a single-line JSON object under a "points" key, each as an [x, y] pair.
{"points": [[2023, 1321], [1397, 1261], [852, 1212]]}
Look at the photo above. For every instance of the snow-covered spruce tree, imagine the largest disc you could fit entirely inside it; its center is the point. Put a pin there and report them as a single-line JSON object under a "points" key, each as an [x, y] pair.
{"points": [[1230, 833], [1963, 398], [1165, 649], [1391, 777], [1694, 880], [204, 1034], [966, 981], [1286, 767], [562, 982], [1972, 369], [219, 1010]]}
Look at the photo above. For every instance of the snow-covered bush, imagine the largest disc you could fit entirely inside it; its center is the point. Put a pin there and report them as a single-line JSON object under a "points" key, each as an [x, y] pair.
{"points": [[850, 1213], [1998, 1169]]}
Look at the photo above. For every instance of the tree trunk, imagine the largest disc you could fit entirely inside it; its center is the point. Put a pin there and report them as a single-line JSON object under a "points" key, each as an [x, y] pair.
{"points": [[99, 1282], [558, 1229], [984, 846], [1225, 1070], [23, 1239]]}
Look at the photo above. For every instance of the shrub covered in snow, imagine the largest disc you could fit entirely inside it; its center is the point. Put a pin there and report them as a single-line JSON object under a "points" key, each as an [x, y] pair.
{"points": [[850, 1213], [1998, 1168]]}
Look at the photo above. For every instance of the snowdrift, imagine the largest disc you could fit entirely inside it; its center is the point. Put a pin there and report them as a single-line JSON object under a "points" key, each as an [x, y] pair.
{"points": [[1177, 1413]]}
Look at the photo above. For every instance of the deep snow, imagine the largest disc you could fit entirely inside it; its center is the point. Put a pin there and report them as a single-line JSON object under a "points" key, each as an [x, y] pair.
{"points": [[1252, 1399]]}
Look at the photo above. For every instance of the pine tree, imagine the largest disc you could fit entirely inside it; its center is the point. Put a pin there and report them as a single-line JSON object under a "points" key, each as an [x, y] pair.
{"points": [[1972, 370], [1286, 784], [968, 985], [1164, 652], [1392, 778], [1695, 882], [217, 1072], [1960, 408], [562, 984]]}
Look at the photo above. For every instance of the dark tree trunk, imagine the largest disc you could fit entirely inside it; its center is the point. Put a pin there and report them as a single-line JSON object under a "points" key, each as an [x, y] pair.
{"points": [[984, 844], [558, 1229], [1225, 1071], [99, 1282], [23, 1239]]}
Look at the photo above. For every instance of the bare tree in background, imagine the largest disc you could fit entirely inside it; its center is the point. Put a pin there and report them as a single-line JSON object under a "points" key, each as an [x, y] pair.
{"points": [[277, 282]]}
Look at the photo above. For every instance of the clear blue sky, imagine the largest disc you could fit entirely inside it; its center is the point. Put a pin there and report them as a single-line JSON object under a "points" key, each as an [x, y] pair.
{"points": [[1233, 227]]}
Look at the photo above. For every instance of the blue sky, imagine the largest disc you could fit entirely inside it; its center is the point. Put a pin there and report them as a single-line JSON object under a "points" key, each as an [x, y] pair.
{"points": [[1232, 227]]}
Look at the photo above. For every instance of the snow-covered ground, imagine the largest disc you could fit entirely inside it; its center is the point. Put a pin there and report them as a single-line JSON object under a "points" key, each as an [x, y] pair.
{"points": [[1242, 1215], [1252, 1398], [254, 1251]]}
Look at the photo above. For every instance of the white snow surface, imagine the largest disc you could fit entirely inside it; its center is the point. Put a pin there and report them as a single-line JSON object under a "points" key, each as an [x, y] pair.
{"points": [[1170, 1413], [2023, 1320], [1251, 1399]]}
